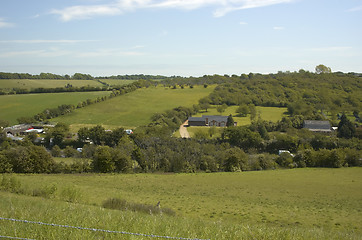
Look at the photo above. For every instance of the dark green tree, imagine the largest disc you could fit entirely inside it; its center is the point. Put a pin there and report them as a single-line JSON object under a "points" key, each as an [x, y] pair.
{"points": [[346, 129], [102, 160], [230, 121]]}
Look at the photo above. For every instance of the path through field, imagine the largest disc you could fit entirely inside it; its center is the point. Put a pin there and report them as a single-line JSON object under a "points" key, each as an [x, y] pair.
{"points": [[183, 130]]}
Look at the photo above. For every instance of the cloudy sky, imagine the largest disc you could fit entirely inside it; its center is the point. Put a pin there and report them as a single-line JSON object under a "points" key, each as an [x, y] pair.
{"points": [[179, 37]]}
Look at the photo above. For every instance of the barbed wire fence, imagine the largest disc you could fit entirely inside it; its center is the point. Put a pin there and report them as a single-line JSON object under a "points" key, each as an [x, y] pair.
{"points": [[91, 229]]}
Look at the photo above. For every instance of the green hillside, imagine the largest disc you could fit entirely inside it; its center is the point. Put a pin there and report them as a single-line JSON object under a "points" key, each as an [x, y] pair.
{"points": [[135, 108], [27, 105], [280, 204], [44, 83]]}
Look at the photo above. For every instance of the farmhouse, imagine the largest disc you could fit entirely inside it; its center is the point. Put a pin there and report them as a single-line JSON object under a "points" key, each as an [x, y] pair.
{"points": [[317, 126], [208, 120]]}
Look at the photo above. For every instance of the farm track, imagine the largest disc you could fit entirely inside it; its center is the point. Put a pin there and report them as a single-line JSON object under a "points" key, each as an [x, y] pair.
{"points": [[183, 130]]}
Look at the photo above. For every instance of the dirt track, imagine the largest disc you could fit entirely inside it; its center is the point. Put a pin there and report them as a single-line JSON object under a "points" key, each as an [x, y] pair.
{"points": [[183, 130]]}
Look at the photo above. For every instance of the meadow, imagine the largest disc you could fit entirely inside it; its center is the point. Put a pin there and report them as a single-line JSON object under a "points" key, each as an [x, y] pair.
{"points": [[278, 204], [134, 109], [273, 114], [45, 83], [27, 105]]}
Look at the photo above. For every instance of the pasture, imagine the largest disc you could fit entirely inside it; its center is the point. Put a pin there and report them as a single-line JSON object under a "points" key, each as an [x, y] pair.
{"points": [[279, 204], [134, 109], [27, 105], [45, 83], [273, 114]]}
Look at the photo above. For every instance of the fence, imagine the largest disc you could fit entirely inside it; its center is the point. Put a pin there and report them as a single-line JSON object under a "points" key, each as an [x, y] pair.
{"points": [[92, 229]]}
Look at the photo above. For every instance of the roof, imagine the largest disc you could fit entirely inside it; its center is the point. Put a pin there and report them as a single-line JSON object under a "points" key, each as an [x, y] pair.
{"points": [[196, 119], [317, 126], [209, 117], [215, 118]]}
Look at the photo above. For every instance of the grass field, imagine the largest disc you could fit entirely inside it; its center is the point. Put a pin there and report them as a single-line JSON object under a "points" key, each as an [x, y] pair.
{"points": [[117, 82], [44, 83], [280, 204], [266, 113], [27, 105], [134, 109]]}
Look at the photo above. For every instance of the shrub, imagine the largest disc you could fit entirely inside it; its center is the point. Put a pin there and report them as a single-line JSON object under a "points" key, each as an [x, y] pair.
{"points": [[120, 204]]}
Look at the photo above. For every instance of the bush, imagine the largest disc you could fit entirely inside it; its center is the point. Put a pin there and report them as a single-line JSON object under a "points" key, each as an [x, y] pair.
{"points": [[120, 204]]}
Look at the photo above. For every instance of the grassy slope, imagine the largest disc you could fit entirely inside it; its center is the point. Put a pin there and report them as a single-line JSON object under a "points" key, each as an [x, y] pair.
{"points": [[44, 83], [136, 108], [27, 105], [325, 199], [267, 113]]}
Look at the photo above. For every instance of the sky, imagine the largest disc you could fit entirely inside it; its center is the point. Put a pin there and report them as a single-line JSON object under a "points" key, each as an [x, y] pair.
{"points": [[179, 37]]}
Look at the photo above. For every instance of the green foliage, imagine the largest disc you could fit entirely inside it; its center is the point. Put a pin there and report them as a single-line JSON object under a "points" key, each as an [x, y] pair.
{"points": [[70, 152], [243, 137], [230, 121], [10, 183], [346, 129], [56, 151], [322, 69], [102, 160], [120, 204], [235, 160], [29, 159]]}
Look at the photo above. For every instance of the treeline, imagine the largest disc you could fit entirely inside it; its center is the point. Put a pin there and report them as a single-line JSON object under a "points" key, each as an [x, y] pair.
{"points": [[67, 88], [312, 95], [151, 149], [79, 76]]}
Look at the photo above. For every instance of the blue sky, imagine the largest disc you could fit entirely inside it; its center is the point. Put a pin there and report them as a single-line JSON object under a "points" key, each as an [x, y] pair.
{"points": [[179, 37]]}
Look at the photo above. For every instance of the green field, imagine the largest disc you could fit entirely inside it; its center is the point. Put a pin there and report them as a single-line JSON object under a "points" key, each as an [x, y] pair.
{"points": [[266, 113], [45, 83], [280, 204], [273, 114], [134, 109], [27, 105], [117, 82]]}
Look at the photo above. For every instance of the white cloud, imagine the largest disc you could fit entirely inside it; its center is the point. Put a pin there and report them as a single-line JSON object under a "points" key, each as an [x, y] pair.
{"points": [[243, 23], [4, 24], [35, 53], [86, 12], [121, 6], [278, 28], [330, 49], [108, 53], [355, 9], [56, 52], [35, 41]]}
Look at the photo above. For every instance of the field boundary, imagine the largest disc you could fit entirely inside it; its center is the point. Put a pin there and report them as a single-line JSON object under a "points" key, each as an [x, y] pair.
{"points": [[96, 229]]}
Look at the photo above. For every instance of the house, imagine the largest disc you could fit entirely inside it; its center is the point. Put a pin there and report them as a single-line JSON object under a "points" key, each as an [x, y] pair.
{"points": [[208, 120], [317, 126]]}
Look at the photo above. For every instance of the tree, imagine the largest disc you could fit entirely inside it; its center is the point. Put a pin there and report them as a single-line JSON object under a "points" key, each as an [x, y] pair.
{"points": [[235, 160], [322, 69], [204, 103], [102, 160], [230, 121], [346, 129], [56, 151], [252, 110], [221, 108], [243, 110]]}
